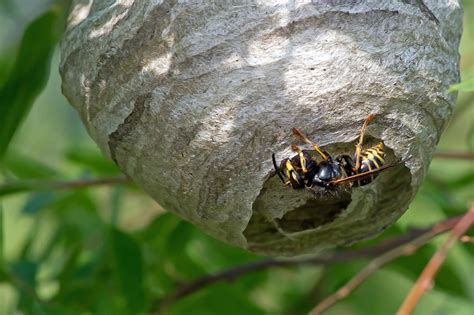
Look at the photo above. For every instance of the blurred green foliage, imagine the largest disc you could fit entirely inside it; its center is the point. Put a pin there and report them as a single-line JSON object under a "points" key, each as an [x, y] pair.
{"points": [[111, 250], [467, 85], [29, 74]]}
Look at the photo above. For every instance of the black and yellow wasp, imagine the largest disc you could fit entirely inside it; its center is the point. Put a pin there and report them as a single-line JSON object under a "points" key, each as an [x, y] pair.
{"points": [[302, 170]]}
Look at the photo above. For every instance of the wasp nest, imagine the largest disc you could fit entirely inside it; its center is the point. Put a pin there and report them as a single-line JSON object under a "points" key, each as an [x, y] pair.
{"points": [[191, 98]]}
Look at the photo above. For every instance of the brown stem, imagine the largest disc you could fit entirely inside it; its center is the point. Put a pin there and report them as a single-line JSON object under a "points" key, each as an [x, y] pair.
{"points": [[406, 248], [88, 182], [340, 256], [426, 278], [455, 155], [42, 185]]}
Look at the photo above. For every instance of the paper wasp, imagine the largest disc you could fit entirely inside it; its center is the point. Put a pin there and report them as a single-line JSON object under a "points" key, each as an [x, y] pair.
{"points": [[303, 171]]}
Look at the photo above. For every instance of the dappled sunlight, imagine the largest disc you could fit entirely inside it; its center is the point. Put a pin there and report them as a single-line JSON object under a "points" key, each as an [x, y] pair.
{"points": [[79, 12], [158, 66], [108, 26]]}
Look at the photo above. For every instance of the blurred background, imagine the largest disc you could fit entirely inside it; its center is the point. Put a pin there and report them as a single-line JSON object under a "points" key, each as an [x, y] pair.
{"points": [[112, 250]]}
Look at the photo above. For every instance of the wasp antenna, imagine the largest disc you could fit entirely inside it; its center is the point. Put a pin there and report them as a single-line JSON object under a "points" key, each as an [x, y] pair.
{"points": [[298, 134], [277, 169], [358, 151], [361, 175]]}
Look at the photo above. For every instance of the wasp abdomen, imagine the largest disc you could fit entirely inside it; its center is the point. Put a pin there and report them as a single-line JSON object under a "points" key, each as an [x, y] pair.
{"points": [[371, 159]]}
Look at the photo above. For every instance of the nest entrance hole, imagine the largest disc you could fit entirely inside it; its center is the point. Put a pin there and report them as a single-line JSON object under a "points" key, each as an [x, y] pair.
{"points": [[281, 212]]}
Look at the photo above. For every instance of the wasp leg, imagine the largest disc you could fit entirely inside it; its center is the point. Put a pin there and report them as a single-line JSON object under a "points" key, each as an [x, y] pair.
{"points": [[358, 151], [277, 169], [298, 134], [303, 161], [292, 174]]}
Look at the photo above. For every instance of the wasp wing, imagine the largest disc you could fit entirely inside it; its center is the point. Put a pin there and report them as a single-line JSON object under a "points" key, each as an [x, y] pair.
{"points": [[361, 175]]}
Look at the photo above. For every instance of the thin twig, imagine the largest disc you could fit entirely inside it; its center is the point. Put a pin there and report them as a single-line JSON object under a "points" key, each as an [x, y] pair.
{"points": [[340, 256], [45, 185], [467, 239], [455, 155], [426, 278], [89, 182], [407, 248]]}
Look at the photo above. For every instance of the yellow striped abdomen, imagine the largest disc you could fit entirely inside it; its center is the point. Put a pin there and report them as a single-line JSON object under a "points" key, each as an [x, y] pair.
{"points": [[371, 159]]}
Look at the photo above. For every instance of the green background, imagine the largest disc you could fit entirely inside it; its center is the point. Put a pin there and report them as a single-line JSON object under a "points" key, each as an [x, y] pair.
{"points": [[112, 250]]}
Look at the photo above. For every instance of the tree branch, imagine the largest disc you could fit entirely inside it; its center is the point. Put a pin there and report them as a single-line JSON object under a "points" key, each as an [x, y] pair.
{"points": [[340, 256], [426, 277], [404, 249], [455, 155], [43, 185]]}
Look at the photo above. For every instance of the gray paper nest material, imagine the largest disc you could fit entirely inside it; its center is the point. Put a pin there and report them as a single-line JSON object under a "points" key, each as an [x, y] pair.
{"points": [[191, 98]]}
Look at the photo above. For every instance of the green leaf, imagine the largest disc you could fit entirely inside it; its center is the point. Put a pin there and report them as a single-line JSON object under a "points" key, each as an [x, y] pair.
{"points": [[335, 276], [447, 279], [24, 167], [467, 85], [221, 298], [6, 63], [442, 192], [177, 254], [129, 263], [8, 6], [36, 202], [15, 187], [69, 268], [29, 74], [77, 212], [157, 233], [23, 274], [26, 271], [461, 181], [213, 255], [155, 238], [92, 160], [178, 239], [1, 238], [115, 204]]}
